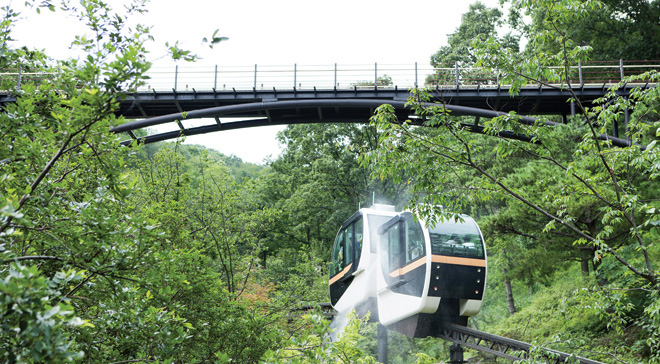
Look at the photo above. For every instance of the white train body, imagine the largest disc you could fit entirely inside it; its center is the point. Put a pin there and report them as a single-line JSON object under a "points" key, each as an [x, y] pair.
{"points": [[407, 275], [353, 274]]}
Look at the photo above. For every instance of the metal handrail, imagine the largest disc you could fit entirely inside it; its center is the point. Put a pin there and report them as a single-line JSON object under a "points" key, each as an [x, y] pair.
{"points": [[343, 76]]}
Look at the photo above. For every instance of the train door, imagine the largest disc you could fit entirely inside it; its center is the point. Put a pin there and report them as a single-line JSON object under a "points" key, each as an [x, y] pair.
{"points": [[346, 254], [404, 269]]}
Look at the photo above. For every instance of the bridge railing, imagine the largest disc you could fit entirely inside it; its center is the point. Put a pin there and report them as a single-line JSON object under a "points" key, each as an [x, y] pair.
{"points": [[264, 77], [343, 76], [589, 73]]}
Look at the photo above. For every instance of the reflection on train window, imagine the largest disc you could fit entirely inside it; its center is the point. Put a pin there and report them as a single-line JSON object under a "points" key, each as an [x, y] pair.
{"points": [[358, 239], [402, 243], [375, 222], [457, 239], [393, 248], [338, 254], [414, 244], [347, 247]]}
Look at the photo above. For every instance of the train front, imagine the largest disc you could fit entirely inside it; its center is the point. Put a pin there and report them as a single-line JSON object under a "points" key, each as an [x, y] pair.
{"points": [[458, 268], [431, 273]]}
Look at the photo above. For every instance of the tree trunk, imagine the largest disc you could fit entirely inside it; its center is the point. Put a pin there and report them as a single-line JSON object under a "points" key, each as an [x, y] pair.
{"points": [[584, 264], [595, 263], [509, 296], [507, 284]]}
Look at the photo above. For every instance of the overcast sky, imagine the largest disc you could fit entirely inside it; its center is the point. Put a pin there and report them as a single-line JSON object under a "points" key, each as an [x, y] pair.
{"points": [[283, 32]]}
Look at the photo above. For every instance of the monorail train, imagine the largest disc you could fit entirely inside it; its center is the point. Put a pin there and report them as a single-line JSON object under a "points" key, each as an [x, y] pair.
{"points": [[408, 275]]}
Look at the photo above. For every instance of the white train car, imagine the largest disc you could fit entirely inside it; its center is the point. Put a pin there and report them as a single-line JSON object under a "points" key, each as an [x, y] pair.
{"points": [[410, 276], [355, 260]]}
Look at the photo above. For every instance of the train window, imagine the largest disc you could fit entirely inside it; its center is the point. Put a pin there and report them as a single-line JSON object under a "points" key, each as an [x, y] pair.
{"points": [[375, 222], [402, 241], [414, 240], [393, 253], [338, 253], [457, 238], [347, 247], [359, 236]]}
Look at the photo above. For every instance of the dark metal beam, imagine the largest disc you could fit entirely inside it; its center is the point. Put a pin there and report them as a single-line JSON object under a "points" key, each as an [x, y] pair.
{"points": [[237, 110], [359, 115], [501, 346]]}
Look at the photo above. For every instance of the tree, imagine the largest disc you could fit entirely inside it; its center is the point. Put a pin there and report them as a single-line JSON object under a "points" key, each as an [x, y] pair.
{"points": [[480, 22], [207, 253], [601, 197], [613, 30], [61, 187], [317, 183], [111, 284]]}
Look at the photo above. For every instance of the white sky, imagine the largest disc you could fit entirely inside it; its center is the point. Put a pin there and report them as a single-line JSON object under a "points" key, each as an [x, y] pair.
{"points": [[284, 32]]}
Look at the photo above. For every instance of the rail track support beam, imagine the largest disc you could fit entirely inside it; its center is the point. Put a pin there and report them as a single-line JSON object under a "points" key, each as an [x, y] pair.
{"points": [[456, 354], [382, 344]]}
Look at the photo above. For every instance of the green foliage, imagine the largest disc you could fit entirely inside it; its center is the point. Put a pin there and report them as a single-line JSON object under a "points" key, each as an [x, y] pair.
{"points": [[208, 253], [175, 253], [480, 22], [215, 39], [314, 344], [383, 80], [317, 183], [568, 196], [300, 278], [612, 29], [167, 242], [36, 317]]}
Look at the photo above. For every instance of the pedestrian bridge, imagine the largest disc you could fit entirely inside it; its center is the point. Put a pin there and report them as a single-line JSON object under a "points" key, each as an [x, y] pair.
{"points": [[194, 99]]}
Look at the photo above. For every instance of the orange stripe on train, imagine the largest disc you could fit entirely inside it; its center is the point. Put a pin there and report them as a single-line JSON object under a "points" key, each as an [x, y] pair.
{"points": [[418, 263], [339, 275], [458, 260]]}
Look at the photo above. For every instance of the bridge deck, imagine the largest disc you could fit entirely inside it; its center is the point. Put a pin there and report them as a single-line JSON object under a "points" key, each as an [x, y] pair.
{"points": [[529, 101]]}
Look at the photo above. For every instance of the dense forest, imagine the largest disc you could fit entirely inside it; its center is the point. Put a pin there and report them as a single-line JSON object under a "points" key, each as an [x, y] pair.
{"points": [[175, 253]]}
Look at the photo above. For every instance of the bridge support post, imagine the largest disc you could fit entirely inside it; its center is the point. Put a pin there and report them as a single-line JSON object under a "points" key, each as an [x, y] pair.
{"points": [[382, 344], [580, 73], [176, 75], [20, 76], [626, 120], [215, 77], [456, 354], [572, 108]]}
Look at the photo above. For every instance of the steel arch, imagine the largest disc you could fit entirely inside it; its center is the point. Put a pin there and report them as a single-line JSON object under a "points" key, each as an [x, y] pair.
{"points": [[306, 112]]}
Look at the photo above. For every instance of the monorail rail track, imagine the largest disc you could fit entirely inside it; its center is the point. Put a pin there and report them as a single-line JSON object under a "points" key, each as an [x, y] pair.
{"points": [[499, 346], [503, 347]]}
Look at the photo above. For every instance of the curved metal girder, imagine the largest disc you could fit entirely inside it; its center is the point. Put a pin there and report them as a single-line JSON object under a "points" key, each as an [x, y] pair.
{"points": [[230, 110], [364, 108], [265, 122]]}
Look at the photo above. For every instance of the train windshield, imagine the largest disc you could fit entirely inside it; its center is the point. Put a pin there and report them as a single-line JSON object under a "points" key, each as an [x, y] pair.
{"points": [[457, 238], [375, 222], [348, 247]]}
